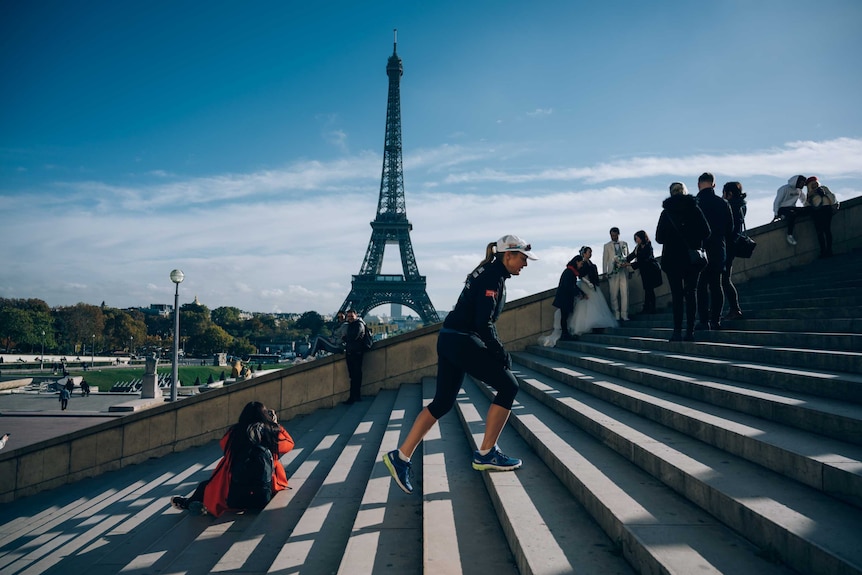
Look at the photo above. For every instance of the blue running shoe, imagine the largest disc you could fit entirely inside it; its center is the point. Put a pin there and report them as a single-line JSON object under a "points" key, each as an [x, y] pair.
{"points": [[399, 469], [496, 460]]}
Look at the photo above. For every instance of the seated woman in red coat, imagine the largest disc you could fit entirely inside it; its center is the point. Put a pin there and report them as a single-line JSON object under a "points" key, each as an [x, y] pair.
{"points": [[250, 472]]}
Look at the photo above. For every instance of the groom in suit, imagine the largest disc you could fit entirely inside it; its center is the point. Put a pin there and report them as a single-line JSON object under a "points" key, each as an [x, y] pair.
{"points": [[615, 266]]}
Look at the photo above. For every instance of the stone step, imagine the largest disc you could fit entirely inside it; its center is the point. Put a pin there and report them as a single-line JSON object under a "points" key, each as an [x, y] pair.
{"points": [[387, 528], [613, 361], [635, 510], [819, 299], [315, 451], [318, 541], [827, 464], [188, 545], [781, 288], [460, 533], [795, 340], [803, 528], [807, 357], [547, 529], [823, 325], [784, 313]]}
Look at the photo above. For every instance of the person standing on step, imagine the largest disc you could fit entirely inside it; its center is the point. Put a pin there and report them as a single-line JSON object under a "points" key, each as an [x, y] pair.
{"points": [[616, 267], [821, 201], [784, 206], [354, 351], [468, 344], [230, 486], [681, 227], [567, 294], [643, 259], [735, 197], [710, 297]]}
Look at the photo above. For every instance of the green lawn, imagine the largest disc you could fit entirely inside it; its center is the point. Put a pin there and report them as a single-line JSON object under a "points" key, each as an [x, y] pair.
{"points": [[104, 379]]}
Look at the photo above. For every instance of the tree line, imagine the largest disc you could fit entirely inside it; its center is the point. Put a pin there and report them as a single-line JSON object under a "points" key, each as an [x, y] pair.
{"points": [[30, 325]]}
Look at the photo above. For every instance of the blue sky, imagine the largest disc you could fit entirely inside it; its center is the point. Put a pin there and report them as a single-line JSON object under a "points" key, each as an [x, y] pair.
{"points": [[242, 142]]}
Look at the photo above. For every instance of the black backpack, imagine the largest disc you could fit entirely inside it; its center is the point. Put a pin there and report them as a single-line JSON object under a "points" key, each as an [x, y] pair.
{"points": [[251, 479]]}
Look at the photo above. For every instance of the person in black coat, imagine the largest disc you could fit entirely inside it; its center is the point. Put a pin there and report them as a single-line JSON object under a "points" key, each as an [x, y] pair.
{"points": [[735, 197], [567, 291], [681, 227], [644, 260], [710, 297]]}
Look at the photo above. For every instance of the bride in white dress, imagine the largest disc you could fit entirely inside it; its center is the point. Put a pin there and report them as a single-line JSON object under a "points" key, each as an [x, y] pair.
{"points": [[591, 312]]}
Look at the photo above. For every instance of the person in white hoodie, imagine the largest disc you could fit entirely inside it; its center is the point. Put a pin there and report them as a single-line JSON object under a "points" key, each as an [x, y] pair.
{"points": [[784, 206]]}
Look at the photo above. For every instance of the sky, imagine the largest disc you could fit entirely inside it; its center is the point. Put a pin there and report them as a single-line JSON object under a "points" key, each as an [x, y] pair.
{"points": [[242, 142]]}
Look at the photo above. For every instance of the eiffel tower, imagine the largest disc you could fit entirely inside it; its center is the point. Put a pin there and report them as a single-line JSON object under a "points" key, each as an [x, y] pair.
{"points": [[370, 288]]}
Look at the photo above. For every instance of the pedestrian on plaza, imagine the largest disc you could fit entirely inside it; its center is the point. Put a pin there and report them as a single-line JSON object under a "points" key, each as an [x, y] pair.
{"points": [[64, 398], [85, 388], [468, 344]]}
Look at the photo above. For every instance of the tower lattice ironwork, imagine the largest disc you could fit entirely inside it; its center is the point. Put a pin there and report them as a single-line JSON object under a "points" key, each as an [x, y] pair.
{"points": [[371, 288]]}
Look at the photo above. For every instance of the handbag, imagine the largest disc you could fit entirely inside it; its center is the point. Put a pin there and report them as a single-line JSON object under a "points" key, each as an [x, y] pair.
{"points": [[743, 246], [697, 259]]}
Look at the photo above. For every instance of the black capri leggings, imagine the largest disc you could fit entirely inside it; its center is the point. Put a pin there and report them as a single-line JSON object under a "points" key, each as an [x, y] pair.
{"points": [[460, 353]]}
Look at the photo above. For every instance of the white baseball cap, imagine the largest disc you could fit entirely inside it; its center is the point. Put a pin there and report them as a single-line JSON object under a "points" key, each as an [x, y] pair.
{"points": [[510, 243]]}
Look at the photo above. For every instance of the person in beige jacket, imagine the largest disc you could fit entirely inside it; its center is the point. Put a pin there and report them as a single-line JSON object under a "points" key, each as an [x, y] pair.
{"points": [[615, 265]]}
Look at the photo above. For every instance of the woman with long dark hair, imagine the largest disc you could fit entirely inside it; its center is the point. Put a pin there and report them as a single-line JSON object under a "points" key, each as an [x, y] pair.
{"points": [[644, 260], [468, 343], [681, 228], [256, 428], [732, 192]]}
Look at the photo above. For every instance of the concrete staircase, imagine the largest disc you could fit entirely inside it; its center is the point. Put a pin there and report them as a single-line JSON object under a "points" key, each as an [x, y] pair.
{"points": [[740, 453]]}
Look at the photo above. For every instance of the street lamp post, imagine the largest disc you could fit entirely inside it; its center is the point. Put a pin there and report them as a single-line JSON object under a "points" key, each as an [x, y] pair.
{"points": [[131, 339], [93, 352], [42, 357], [176, 277]]}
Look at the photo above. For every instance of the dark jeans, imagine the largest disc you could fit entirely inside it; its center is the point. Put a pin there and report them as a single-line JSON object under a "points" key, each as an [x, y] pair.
{"points": [[649, 300], [354, 370], [822, 217], [683, 287], [710, 297], [322, 343], [789, 213], [728, 287], [198, 495], [565, 314], [459, 354]]}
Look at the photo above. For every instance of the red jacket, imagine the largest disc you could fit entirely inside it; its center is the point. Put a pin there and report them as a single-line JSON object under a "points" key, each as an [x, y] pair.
{"points": [[215, 494]]}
